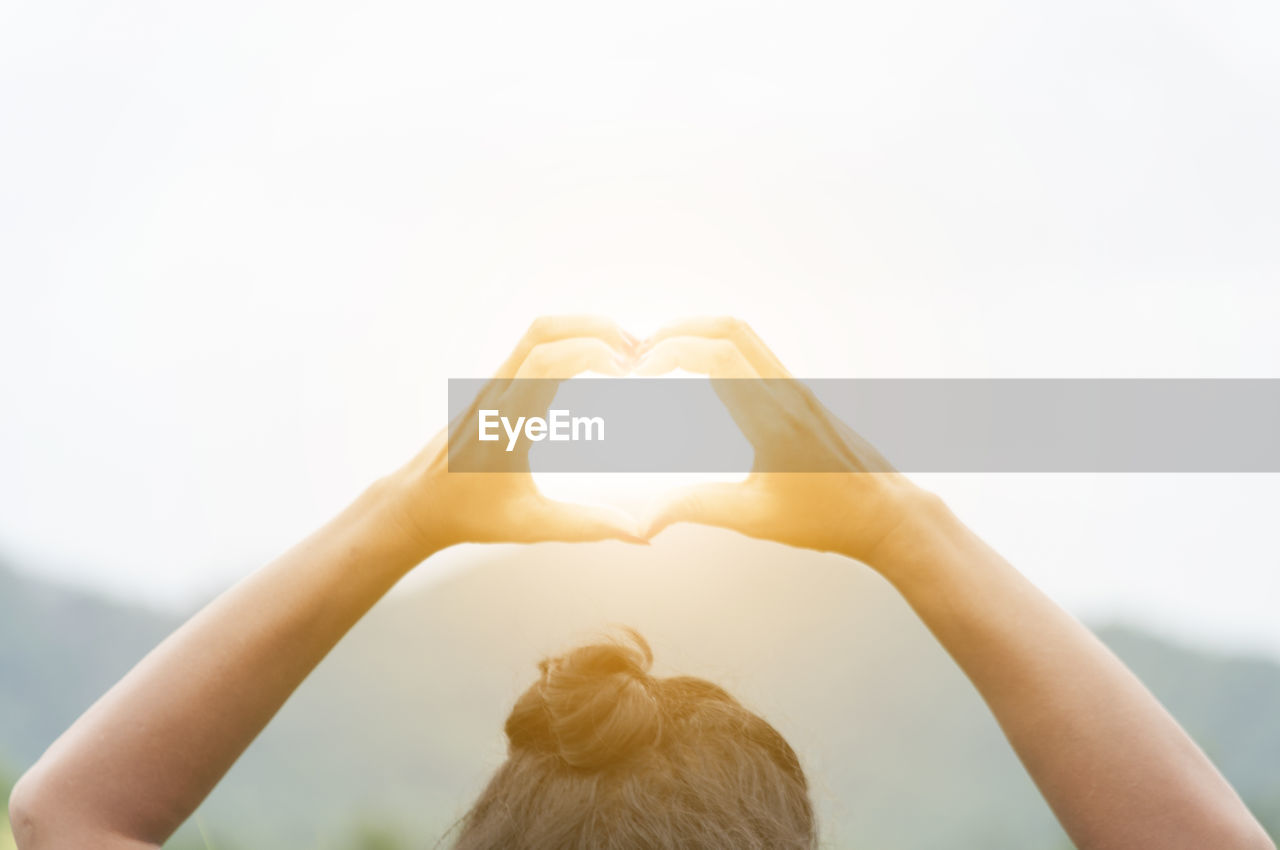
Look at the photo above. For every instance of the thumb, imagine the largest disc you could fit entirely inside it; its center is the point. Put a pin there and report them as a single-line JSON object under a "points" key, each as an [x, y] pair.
{"points": [[569, 522], [724, 505]]}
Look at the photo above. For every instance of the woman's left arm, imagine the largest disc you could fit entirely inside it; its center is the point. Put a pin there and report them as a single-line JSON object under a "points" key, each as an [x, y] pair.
{"points": [[135, 766]]}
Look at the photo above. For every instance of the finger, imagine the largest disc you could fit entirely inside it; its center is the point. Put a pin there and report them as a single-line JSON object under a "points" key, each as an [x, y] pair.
{"points": [[558, 360], [548, 365], [764, 361], [553, 328], [568, 522], [723, 357], [750, 401], [565, 358], [540, 376], [716, 358], [732, 506]]}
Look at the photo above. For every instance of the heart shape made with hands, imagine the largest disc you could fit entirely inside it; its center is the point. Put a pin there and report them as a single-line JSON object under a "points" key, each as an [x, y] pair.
{"points": [[762, 504], [642, 495], [559, 348]]}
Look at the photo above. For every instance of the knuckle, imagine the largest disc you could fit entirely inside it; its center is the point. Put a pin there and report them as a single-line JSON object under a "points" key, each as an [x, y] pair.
{"points": [[724, 354], [723, 325], [742, 333], [780, 427], [539, 358]]}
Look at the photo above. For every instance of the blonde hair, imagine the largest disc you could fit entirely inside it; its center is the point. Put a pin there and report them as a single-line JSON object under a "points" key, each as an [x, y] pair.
{"points": [[603, 755]]}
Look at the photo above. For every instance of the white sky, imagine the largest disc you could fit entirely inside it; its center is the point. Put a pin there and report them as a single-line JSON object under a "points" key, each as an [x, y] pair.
{"points": [[243, 246]]}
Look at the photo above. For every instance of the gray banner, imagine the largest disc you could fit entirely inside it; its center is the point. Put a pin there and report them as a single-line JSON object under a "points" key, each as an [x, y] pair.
{"points": [[918, 425]]}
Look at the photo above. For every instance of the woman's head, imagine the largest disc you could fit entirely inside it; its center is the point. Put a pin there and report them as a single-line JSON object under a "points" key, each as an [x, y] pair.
{"points": [[603, 755]]}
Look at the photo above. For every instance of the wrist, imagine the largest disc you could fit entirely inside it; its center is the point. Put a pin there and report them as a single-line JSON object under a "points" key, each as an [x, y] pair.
{"points": [[388, 508], [921, 529]]}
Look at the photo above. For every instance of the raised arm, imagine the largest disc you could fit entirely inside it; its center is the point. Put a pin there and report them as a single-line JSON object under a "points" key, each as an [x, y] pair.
{"points": [[141, 759], [1116, 768]]}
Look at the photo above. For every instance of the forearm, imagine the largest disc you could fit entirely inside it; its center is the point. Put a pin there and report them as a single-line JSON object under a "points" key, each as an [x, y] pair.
{"points": [[1115, 767], [141, 759]]}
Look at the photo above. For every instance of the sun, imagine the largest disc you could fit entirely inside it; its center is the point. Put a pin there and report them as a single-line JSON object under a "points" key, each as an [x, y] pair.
{"points": [[633, 491]]}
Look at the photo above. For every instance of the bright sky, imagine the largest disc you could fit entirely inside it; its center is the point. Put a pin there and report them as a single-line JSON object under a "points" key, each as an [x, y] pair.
{"points": [[244, 245]]}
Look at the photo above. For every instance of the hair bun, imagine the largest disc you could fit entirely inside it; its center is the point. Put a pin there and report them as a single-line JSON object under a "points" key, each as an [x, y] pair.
{"points": [[593, 707]]}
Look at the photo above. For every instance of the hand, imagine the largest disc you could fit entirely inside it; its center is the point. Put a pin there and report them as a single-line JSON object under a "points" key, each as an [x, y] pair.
{"points": [[854, 509], [440, 508]]}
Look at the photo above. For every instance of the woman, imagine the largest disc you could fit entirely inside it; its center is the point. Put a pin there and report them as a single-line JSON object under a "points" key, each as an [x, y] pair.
{"points": [[601, 754]]}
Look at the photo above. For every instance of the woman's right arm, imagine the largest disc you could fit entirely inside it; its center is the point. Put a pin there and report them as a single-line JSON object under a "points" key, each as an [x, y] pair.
{"points": [[1116, 768]]}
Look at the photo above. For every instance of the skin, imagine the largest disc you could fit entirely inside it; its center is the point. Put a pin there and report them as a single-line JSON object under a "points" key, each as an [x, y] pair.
{"points": [[1116, 768]]}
